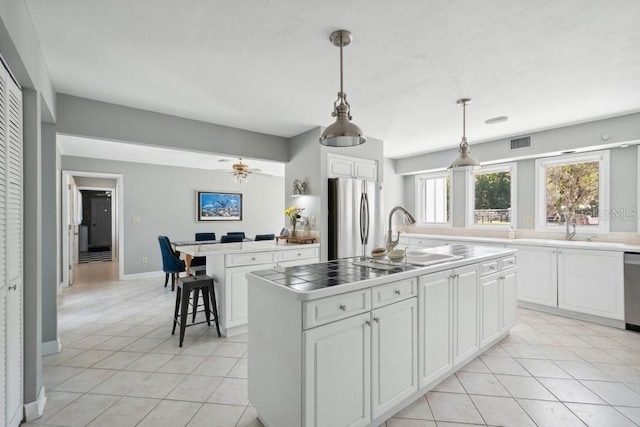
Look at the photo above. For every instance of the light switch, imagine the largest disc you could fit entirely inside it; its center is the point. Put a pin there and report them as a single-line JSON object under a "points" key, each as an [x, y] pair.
{"points": [[312, 221], [136, 219], [527, 219]]}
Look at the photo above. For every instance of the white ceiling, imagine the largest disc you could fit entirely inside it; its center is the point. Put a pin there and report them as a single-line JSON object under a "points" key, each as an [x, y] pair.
{"points": [[110, 150], [268, 66]]}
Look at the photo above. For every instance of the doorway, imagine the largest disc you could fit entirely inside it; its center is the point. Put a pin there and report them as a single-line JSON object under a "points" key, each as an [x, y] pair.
{"points": [[92, 212]]}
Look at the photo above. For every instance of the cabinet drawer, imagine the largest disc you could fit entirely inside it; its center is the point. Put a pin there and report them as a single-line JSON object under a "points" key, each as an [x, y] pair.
{"points": [[235, 260], [334, 308], [392, 292], [300, 253], [507, 262], [489, 267]]}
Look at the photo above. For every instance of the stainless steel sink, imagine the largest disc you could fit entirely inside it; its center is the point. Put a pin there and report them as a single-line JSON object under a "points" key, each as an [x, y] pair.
{"points": [[423, 257]]}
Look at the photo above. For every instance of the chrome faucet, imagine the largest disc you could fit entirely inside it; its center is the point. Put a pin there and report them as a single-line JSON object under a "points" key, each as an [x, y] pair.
{"points": [[390, 242], [569, 221]]}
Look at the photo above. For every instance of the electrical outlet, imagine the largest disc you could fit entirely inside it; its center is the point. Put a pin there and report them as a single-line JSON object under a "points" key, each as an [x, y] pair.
{"points": [[527, 219], [136, 219], [461, 220], [144, 259]]}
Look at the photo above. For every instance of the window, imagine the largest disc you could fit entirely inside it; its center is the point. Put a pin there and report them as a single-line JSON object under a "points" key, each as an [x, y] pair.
{"points": [[432, 198], [492, 196], [572, 188]]}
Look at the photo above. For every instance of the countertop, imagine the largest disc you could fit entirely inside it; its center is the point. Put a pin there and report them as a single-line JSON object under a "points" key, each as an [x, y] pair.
{"points": [[231, 248], [312, 281], [575, 244]]}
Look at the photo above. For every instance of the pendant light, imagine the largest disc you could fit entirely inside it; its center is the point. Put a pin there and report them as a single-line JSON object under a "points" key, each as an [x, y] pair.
{"points": [[343, 133], [464, 160]]}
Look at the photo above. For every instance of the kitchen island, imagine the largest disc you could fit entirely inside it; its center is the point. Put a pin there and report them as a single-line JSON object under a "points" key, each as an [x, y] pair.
{"points": [[351, 342], [229, 263]]}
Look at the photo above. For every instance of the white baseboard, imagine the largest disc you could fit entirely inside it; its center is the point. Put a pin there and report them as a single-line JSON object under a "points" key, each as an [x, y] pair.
{"points": [[34, 410], [51, 347], [142, 275]]}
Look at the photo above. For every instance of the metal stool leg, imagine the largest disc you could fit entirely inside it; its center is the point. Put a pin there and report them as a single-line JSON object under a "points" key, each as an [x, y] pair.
{"points": [[175, 314], [196, 297], [207, 309], [214, 306], [183, 311]]}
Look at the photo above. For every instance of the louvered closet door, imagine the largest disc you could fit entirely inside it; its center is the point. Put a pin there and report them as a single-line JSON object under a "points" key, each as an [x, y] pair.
{"points": [[3, 242], [14, 253]]}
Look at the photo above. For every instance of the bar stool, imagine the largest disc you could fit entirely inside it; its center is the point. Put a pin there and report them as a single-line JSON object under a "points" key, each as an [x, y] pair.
{"points": [[196, 284]]}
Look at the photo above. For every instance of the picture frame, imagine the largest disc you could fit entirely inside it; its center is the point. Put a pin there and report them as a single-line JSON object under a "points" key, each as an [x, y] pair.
{"points": [[218, 206]]}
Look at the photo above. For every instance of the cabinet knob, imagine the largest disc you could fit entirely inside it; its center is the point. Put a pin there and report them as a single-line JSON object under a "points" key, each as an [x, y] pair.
{"points": [[299, 254], [343, 307], [367, 322], [491, 267], [13, 288], [253, 258], [397, 291], [376, 319]]}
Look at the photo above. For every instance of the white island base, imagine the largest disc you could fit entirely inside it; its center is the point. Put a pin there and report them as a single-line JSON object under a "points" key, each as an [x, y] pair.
{"points": [[356, 353]]}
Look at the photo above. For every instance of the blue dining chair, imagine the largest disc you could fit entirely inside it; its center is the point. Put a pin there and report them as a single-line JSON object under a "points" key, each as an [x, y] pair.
{"points": [[231, 238], [237, 233], [171, 263], [265, 237]]}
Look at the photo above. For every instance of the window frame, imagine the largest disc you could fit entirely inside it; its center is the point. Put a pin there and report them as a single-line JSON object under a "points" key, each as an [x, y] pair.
{"points": [[603, 159], [419, 198], [512, 168]]}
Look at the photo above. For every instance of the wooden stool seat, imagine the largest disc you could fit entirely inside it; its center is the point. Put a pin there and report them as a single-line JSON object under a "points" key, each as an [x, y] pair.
{"points": [[195, 284]]}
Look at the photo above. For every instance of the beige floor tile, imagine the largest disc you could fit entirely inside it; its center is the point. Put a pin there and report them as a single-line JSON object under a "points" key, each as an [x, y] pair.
{"points": [[614, 393], [476, 365], [230, 349], [52, 376], [550, 414], [632, 413], [405, 422], [150, 362], [143, 344], [87, 358], [82, 411], [118, 360], [450, 384], [195, 388], [543, 368], [61, 356], [525, 387], [570, 390], [88, 342], [478, 383], [249, 418], [239, 370], [557, 352], [418, 410], [526, 351], [157, 385], [56, 400], [625, 373], [583, 370], [448, 424], [504, 365], [594, 355], [453, 407], [231, 391], [496, 351], [121, 383], [115, 343], [599, 416], [216, 366], [501, 411], [181, 364], [211, 414], [128, 411], [170, 413], [172, 346], [85, 380]]}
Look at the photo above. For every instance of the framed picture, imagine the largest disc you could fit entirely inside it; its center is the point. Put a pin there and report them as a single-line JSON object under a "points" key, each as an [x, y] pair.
{"points": [[217, 206]]}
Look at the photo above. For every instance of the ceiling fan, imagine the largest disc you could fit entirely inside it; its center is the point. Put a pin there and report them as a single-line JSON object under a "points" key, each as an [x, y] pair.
{"points": [[241, 171]]}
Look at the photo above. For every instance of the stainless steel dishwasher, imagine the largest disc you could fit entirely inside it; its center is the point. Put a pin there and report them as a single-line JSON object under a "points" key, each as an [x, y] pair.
{"points": [[632, 290]]}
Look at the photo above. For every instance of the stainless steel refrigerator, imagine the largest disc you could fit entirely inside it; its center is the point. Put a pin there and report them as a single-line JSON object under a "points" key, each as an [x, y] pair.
{"points": [[355, 224]]}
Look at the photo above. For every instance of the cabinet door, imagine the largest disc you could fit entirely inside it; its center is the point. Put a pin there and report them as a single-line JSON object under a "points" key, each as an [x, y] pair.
{"points": [[538, 278], [465, 309], [341, 168], [509, 299], [435, 320], [490, 308], [235, 294], [591, 282], [366, 170], [337, 363], [394, 357]]}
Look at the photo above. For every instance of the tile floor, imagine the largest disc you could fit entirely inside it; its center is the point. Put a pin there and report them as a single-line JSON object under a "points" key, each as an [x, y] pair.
{"points": [[120, 366]]}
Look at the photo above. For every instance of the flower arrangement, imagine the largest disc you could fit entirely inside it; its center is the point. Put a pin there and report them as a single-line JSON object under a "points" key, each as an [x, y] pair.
{"points": [[293, 214]]}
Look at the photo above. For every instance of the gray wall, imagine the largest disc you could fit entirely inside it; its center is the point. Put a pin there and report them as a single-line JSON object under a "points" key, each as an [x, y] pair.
{"points": [[101, 120], [164, 198], [89, 181], [392, 192]]}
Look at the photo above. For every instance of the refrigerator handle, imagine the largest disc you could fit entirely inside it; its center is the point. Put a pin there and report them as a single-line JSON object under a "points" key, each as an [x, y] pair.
{"points": [[364, 220]]}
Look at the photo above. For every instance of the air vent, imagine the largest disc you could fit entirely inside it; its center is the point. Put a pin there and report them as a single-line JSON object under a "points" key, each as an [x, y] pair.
{"points": [[520, 143]]}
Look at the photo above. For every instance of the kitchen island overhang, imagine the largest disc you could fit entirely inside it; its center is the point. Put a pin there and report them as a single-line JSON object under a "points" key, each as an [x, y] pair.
{"points": [[357, 349]]}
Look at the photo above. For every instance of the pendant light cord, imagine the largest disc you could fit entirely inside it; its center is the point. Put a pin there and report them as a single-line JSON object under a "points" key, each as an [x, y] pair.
{"points": [[341, 70]]}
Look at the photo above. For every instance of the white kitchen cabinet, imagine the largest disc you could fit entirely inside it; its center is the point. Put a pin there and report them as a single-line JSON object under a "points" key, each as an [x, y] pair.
{"points": [[352, 167], [509, 301], [235, 294], [591, 282], [538, 278], [435, 320], [465, 314], [490, 327], [394, 358], [337, 357]]}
